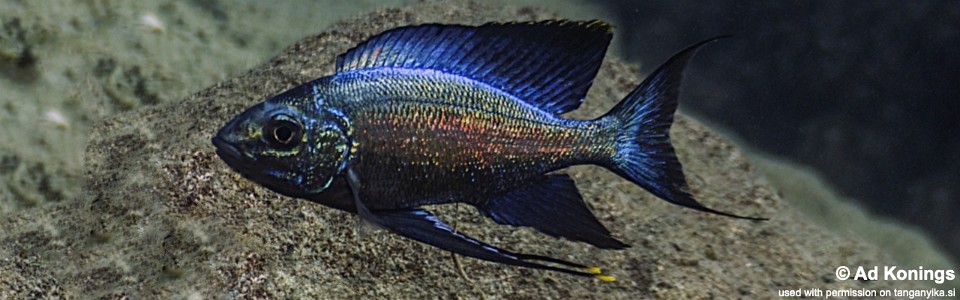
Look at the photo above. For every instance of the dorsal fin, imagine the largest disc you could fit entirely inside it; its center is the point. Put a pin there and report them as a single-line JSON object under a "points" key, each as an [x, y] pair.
{"points": [[549, 64]]}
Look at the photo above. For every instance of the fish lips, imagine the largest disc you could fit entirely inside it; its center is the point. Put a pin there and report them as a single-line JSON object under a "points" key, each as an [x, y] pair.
{"points": [[224, 148], [231, 155], [236, 160]]}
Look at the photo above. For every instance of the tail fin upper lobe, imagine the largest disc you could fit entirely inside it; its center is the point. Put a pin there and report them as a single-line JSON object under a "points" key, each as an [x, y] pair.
{"points": [[644, 153]]}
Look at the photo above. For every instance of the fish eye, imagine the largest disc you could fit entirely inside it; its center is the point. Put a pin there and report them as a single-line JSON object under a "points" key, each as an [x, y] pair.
{"points": [[282, 132]]}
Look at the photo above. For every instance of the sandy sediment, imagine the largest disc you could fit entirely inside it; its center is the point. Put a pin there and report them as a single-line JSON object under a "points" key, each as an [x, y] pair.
{"points": [[161, 216]]}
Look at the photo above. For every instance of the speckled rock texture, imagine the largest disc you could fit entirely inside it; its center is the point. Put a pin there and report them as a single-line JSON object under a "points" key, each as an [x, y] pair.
{"points": [[162, 217]]}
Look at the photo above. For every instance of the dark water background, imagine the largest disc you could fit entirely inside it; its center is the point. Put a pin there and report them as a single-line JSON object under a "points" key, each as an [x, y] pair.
{"points": [[866, 92]]}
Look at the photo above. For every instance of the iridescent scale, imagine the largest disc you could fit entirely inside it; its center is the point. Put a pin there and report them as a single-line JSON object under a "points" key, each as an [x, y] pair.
{"points": [[417, 130]]}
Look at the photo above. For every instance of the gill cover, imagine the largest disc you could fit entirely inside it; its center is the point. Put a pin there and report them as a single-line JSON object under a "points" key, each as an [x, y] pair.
{"points": [[329, 150]]}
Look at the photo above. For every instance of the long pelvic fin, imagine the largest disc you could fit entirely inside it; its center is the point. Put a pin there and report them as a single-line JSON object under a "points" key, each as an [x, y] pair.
{"points": [[644, 153], [421, 225], [549, 64]]}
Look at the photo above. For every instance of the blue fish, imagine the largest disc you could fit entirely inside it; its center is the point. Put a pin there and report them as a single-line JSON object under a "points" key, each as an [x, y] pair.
{"points": [[439, 114]]}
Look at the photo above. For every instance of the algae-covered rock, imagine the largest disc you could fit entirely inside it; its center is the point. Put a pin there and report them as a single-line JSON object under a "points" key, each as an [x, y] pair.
{"points": [[163, 217]]}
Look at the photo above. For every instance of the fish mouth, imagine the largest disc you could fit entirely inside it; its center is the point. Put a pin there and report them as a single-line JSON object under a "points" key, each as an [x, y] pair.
{"points": [[224, 148], [247, 167], [229, 153]]}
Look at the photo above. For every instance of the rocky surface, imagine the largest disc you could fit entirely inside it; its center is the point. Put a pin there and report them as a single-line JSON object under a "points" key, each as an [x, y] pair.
{"points": [[162, 217]]}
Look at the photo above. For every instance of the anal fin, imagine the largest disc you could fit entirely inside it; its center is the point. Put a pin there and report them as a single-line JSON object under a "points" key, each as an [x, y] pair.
{"points": [[553, 205]]}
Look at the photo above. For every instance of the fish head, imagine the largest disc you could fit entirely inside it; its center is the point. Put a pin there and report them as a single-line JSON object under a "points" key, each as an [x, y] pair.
{"points": [[286, 146]]}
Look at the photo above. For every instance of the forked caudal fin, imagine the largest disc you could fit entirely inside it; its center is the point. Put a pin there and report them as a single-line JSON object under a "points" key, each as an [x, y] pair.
{"points": [[644, 153]]}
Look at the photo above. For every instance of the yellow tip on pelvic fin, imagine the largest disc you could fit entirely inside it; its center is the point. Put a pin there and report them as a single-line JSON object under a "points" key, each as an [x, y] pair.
{"points": [[598, 274], [605, 278]]}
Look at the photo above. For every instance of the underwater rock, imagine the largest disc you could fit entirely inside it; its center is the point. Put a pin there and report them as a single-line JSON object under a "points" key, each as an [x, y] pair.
{"points": [[163, 217]]}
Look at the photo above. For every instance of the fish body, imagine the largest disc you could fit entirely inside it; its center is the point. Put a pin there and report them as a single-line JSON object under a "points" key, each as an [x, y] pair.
{"points": [[417, 130], [437, 114]]}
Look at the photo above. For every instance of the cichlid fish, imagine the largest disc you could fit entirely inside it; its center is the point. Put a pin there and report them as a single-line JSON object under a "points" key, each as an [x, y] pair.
{"points": [[437, 114]]}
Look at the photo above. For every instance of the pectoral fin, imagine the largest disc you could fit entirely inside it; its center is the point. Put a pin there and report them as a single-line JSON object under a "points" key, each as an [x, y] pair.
{"points": [[552, 205], [421, 225], [361, 209]]}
